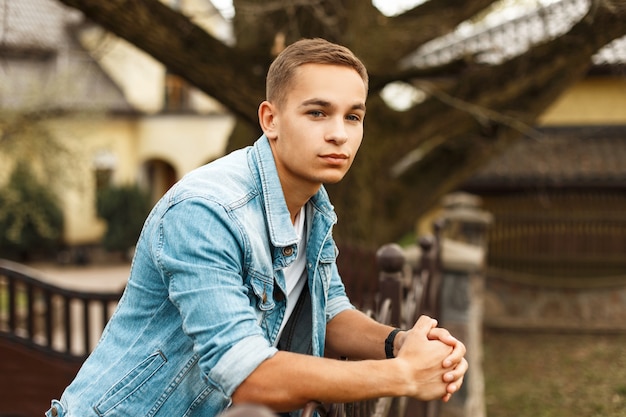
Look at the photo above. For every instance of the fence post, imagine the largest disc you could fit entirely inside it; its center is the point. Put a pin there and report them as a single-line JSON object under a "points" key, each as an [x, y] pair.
{"points": [[463, 246], [430, 272], [390, 259]]}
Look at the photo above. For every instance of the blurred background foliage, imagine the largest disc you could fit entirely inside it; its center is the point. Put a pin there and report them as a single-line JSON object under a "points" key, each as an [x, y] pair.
{"points": [[125, 209], [29, 216]]}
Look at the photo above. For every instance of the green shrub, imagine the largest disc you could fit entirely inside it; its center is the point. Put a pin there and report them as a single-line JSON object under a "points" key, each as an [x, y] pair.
{"points": [[31, 222], [124, 208]]}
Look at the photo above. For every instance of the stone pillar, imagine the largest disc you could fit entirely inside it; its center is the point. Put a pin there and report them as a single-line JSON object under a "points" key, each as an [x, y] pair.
{"points": [[463, 253]]}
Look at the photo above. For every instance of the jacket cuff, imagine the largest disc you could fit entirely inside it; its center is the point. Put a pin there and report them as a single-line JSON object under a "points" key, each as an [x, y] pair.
{"points": [[336, 306], [240, 361]]}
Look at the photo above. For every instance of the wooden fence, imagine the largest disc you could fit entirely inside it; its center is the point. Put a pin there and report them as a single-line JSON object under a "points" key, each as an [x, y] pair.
{"points": [[577, 235], [46, 332]]}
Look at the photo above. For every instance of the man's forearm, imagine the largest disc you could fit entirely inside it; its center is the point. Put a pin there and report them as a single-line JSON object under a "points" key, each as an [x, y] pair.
{"points": [[354, 335], [288, 381]]}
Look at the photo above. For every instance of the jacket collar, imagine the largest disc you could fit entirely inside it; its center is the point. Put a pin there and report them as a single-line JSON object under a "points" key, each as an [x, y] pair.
{"points": [[279, 224]]}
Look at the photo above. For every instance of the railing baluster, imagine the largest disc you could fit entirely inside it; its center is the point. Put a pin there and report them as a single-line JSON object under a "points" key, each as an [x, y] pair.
{"points": [[86, 326], [4, 307], [67, 324], [30, 318], [12, 304], [49, 316]]}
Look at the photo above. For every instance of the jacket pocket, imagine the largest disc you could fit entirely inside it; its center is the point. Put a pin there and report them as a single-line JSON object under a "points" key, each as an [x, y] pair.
{"points": [[326, 262], [131, 384]]}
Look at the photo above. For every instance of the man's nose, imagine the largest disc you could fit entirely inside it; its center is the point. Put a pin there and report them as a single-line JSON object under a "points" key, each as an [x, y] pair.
{"points": [[337, 131]]}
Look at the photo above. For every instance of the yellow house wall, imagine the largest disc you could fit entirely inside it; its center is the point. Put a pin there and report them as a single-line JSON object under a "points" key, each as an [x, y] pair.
{"points": [[593, 101], [185, 142], [88, 136]]}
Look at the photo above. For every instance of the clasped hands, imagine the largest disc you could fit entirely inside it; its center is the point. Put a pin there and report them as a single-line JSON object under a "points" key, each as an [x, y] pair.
{"points": [[435, 359]]}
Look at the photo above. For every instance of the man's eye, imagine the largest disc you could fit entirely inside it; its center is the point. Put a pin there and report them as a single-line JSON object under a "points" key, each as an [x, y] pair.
{"points": [[316, 113], [354, 117]]}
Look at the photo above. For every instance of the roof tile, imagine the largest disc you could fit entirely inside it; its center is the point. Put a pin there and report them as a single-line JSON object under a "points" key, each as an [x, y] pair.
{"points": [[36, 24], [560, 157]]}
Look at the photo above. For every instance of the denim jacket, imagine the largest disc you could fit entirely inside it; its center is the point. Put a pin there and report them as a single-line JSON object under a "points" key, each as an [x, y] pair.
{"points": [[204, 301]]}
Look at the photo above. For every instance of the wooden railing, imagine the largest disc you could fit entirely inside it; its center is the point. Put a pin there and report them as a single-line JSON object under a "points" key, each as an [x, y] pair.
{"points": [[49, 318], [45, 334], [404, 294]]}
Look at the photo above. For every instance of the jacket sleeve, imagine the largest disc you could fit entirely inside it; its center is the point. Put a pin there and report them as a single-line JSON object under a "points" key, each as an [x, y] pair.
{"points": [[337, 299], [200, 252]]}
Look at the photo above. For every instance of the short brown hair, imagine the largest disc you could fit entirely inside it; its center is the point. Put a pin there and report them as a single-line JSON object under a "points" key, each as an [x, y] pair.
{"points": [[307, 51]]}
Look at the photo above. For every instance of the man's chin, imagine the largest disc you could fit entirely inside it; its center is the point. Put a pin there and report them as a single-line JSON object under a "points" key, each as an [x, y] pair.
{"points": [[333, 180]]}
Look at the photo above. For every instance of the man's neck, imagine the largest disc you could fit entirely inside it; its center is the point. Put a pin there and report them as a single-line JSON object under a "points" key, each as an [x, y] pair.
{"points": [[296, 200]]}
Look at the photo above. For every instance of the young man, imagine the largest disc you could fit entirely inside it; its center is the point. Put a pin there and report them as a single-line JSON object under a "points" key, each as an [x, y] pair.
{"points": [[234, 292]]}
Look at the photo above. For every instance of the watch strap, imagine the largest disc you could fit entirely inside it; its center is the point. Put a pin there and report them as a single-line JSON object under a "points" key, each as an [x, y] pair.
{"points": [[389, 344]]}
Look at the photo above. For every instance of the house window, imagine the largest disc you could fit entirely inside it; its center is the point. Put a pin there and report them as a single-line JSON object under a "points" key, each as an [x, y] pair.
{"points": [[104, 164], [176, 93]]}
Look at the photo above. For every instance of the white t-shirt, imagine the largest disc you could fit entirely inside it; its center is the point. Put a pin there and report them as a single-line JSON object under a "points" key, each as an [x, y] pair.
{"points": [[295, 274]]}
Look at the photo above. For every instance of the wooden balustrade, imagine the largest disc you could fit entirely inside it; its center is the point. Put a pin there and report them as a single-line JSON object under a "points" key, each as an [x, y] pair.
{"points": [[45, 334], [50, 318], [403, 295]]}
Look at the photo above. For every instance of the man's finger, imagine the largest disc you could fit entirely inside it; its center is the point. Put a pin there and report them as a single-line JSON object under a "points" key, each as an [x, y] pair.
{"points": [[425, 323]]}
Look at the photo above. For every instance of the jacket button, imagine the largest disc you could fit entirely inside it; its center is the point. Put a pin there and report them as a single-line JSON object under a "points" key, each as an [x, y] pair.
{"points": [[288, 251], [54, 412]]}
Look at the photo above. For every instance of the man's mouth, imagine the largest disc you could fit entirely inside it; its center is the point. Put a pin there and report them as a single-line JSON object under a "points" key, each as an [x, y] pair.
{"points": [[338, 157]]}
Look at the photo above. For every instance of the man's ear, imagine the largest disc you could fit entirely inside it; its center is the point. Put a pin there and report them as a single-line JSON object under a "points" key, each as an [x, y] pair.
{"points": [[267, 119]]}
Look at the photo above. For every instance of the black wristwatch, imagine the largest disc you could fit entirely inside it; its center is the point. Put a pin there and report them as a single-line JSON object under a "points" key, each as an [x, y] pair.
{"points": [[389, 343]]}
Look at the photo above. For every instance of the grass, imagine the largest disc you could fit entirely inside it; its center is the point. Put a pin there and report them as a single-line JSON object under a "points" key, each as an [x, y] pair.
{"points": [[555, 375]]}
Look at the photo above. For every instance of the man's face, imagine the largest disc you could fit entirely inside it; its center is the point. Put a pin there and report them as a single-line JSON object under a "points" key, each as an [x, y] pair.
{"points": [[318, 129]]}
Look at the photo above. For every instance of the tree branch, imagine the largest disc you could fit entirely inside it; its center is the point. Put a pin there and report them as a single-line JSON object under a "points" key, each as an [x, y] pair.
{"points": [[493, 106], [185, 48], [391, 39]]}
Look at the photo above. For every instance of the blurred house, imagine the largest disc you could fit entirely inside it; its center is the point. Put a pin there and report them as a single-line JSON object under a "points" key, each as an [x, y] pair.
{"points": [[125, 119], [557, 246]]}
